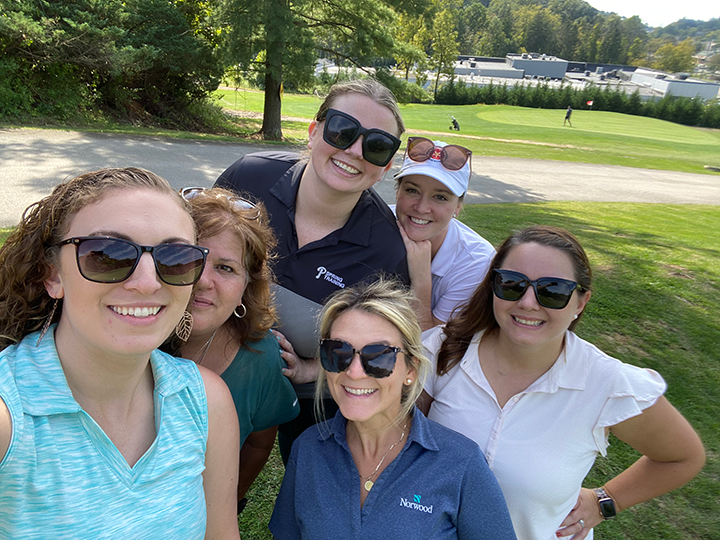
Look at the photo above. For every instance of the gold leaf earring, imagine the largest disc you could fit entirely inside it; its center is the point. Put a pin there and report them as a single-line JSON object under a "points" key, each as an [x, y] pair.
{"points": [[184, 327], [48, 322]]}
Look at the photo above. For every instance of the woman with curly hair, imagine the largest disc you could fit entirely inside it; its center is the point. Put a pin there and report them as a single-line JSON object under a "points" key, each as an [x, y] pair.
{"points": [[102, 435], [233, 313]]}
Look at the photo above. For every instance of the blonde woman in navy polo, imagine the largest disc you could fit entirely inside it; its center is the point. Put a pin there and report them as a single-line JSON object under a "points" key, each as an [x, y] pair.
{"points": [[379, 468]]}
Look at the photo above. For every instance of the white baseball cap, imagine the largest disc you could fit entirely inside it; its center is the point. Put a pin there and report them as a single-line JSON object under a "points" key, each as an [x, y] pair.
{"points": [[455, 181]]}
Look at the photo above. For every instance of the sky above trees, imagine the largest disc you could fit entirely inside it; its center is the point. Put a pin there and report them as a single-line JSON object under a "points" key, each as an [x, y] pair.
{"points": [[661, 13]]}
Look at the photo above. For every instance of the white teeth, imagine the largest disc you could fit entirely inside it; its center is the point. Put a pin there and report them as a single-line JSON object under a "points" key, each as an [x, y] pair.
{"points": [[345, 167], [359, 391], [527, 322], [420, 221], [136, 312]]}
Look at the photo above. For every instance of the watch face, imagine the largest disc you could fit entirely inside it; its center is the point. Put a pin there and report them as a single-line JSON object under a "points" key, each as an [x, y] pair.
{"points": [[607, 508]]}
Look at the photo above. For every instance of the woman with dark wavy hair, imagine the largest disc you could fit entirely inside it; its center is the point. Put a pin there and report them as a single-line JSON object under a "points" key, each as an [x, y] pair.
{"points": [[541, 402], [233, 312], [102, 435]]}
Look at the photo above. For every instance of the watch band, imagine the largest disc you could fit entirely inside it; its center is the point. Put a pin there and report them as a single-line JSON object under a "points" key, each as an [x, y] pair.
{"points": [[606, 504]]}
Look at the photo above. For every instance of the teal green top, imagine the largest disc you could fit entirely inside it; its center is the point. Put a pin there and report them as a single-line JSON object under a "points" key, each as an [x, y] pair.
{"points": [[263, 396], [62, 477]]}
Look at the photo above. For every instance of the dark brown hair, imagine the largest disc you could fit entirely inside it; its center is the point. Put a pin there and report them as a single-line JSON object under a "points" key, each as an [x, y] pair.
{"points": [[478, 315]]}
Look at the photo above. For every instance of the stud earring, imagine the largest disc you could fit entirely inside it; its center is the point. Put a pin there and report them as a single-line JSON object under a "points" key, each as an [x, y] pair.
{"points": [[408, 381], [575, 317]]}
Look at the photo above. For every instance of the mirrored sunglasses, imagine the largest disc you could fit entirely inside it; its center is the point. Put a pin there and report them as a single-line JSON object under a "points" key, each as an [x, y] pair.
{"points": [[238, 203], [451, 156], [378, 360], [342, 130], [104, 259], [550, 292]]}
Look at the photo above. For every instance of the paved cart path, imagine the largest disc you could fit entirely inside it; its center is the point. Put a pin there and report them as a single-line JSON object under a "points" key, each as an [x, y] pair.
{"points": [[32, 161]]}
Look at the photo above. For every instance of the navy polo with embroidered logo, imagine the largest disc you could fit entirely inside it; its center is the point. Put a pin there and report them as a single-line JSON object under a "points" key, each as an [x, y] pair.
{"points": [[368, 243], [439, 487]]}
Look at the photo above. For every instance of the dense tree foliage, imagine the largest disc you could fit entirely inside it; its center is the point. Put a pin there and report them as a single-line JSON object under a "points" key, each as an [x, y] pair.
{"points": [[148, 59], [131, 57]]}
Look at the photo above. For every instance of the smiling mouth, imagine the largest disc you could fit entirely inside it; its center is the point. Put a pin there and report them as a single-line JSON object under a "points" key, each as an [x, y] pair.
{"points": [[345, 167], [140, 312], [359, 391], [418, 221], [527, 322]]}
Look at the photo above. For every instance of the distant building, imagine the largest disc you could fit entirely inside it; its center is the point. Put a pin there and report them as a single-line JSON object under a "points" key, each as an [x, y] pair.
{"points": [[678, 85], [538, 65]]}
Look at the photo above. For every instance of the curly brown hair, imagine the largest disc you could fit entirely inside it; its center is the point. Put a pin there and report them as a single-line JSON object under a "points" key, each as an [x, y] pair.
{"points": [[478, 315], [215, 213], [27, 257]]}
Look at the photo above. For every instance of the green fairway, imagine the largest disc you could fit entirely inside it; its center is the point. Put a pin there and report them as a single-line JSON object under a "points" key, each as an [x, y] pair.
{"points": [[501, 130], [655, 296]]}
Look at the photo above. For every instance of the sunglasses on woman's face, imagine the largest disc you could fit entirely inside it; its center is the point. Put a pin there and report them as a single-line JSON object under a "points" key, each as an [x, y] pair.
{"points": [[238, 203], [104, 259], [342, 130], [550, 292], [378, 360], [451, 156]]}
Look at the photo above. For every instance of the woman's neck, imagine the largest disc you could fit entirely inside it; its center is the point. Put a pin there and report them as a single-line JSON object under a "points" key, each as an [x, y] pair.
{"points": [[93, 375], [375, 439], [215, 351], [320, 210]]}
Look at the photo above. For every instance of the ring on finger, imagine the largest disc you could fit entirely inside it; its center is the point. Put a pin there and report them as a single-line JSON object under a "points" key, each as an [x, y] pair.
{"points": [[582, 523]]}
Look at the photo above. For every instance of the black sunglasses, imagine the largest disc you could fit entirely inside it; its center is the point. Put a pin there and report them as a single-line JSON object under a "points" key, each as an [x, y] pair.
{"points": [[550, 292], [378, 360], [342, 130], [104, 259]]}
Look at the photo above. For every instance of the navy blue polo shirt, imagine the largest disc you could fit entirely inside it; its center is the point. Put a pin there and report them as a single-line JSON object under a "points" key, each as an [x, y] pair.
{"points": [[438, 487], [368, 244]]}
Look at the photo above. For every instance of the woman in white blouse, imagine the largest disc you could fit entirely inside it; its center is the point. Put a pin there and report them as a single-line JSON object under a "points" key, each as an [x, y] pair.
{"points": [[541, 402]]}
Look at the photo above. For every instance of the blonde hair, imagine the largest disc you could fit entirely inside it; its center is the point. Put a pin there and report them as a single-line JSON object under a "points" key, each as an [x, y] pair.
{"points": [[389, 299]]}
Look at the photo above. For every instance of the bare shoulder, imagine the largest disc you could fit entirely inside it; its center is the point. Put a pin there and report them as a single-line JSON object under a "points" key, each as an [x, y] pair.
{"points": [[218, 394], [5, 428]]}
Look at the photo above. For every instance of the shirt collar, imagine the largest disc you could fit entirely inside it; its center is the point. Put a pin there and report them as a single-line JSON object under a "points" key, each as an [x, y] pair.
{"points": [[420, 432], [42, 385], [569, 370], [358, 227], [444, 259]]}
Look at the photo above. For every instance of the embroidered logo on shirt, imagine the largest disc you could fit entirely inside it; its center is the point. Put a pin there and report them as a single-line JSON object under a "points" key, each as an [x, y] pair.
{"points": [[416, 505], [329, 276]]}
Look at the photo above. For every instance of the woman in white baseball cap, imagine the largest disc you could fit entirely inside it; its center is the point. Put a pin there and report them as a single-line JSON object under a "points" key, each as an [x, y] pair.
{"points": [[446, 259]]}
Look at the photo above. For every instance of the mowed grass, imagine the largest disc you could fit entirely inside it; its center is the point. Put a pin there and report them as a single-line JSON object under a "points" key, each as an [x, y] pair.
{"points": [[501, 130], [655, 299]]}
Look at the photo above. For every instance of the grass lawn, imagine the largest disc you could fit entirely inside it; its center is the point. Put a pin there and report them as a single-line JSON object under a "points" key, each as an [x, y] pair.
{"points": [[655, 298], [501, 130]]}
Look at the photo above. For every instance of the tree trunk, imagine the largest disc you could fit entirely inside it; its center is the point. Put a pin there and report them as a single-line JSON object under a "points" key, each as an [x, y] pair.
{"points": [[272, 126]]}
